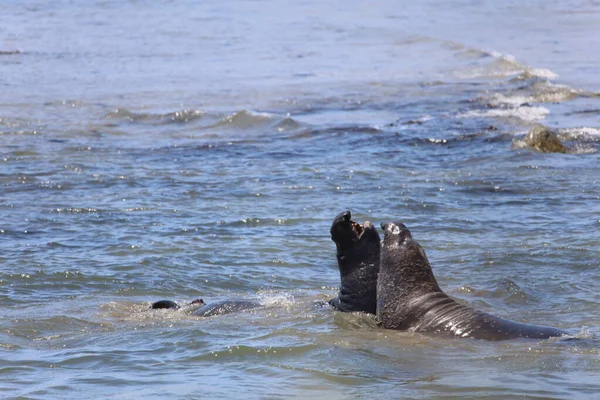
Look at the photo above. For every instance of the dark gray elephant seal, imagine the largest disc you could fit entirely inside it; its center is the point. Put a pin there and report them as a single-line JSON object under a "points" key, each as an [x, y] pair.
{"points": [[171, 305], [165, 305], [209, 310], [226, 307], [409, 298], [358, 260]]}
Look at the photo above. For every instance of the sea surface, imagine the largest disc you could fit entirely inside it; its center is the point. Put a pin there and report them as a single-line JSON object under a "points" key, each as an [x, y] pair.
{"points": [[201, 149]]}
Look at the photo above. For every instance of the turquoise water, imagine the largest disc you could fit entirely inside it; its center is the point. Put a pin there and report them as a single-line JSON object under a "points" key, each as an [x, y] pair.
{"points": [[181, 150]]}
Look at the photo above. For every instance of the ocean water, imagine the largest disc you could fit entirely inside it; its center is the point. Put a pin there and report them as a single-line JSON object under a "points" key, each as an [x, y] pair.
{"points": [[184, 150]]}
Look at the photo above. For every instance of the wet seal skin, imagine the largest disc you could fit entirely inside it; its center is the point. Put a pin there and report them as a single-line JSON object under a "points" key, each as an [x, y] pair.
{"points": [[358, 247], [171, 305], [226, 307], [209, 310], [409, 297]]}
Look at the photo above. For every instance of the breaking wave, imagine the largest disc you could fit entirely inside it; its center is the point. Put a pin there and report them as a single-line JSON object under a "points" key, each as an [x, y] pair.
{"points": [[208, 121]]}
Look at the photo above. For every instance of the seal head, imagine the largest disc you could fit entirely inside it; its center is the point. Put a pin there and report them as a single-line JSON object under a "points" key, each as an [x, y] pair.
{"points": [[165, 304], [171, 305]]}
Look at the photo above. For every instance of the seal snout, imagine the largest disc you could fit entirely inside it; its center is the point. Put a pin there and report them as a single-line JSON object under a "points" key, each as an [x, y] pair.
{"points": [[357, 228], [390, 227], [347, 216], [348, 231]]}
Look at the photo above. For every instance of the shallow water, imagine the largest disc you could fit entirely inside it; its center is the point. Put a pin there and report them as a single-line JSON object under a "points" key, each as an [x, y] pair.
{"points": [[187, 150]]}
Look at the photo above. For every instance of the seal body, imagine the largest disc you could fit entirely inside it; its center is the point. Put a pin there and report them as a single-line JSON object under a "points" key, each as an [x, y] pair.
{"points": [[409, 297], [357, 251], [226, 307]]}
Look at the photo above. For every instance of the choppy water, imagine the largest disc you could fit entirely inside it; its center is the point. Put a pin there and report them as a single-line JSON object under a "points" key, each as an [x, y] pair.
{"points": [[186, 149]]}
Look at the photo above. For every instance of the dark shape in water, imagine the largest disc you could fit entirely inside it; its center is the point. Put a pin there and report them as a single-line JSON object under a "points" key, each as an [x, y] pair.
{"points": [[358, 260], [545, 140], [226, 307], [209, 310], [171, 305]]}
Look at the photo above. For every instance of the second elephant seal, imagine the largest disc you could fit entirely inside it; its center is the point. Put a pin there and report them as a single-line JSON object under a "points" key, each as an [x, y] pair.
{"points": [[409, 297], [212, 309]]}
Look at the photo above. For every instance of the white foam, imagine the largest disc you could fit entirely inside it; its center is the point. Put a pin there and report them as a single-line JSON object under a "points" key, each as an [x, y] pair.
{"points": [[519, 144], [529, 114], [498, 99], [542, 73], [260, 114], [495, 54], [277, 299], [508, 65], [508, 58], [584, 333], [575, 132]]}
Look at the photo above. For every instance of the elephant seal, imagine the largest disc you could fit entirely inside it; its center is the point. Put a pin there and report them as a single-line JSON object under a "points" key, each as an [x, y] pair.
{"points": [[358, 260], [209, 310], [409, 297], [171, 305], [164, 304], [226, 307]]}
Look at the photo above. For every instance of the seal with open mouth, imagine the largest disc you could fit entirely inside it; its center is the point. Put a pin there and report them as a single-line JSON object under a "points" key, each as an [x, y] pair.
{"points": [[409, 297], [358, 260]]}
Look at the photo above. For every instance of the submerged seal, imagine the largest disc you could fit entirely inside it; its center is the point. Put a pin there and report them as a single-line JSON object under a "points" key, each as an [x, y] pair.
{"points": [[358, 260], [171, 305], [165, 304], [226, 307], [409, 297], [209, 310]]}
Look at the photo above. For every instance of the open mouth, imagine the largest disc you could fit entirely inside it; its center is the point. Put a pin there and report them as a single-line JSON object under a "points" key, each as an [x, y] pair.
{"points": [[357, 228]]}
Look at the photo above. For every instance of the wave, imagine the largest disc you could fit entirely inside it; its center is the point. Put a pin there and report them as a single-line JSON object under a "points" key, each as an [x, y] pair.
{"points": [[535, 91], [460, 139], [526, 72], [524, 113], [518, 92], [181, 116], [502, 66], [336, 130], [522, 99], [210, 122]]}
